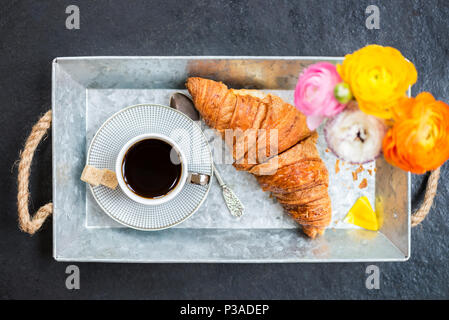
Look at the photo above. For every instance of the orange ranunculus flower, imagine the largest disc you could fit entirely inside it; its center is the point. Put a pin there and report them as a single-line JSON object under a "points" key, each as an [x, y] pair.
{"points": [[419, 138], [378, 77]]}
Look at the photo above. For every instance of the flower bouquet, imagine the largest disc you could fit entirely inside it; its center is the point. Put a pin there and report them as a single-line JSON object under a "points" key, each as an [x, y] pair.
{"points": [[366, 111]]}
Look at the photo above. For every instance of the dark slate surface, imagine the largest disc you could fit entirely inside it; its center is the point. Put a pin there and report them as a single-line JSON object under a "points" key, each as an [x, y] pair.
{"points": [[32, 33]]}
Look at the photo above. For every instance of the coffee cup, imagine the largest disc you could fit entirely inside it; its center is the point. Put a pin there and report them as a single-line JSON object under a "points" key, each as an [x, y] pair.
{"points": [[152, 169]]}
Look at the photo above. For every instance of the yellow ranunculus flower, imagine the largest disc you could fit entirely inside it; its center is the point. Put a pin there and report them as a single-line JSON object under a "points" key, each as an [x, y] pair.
{"points": [[378, 77]]}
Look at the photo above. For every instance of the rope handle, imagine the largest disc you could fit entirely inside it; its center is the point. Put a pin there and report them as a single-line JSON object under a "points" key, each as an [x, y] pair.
{"points": [[32, 224], [27, 223], [431, 190]]}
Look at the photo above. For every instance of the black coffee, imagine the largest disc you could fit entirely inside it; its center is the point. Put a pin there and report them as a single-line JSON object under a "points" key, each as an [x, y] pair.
{"points": [[149, 170]]}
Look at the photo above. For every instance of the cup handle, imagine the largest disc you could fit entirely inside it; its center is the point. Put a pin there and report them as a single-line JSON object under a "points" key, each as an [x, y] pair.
{"points": [[198, 178]]}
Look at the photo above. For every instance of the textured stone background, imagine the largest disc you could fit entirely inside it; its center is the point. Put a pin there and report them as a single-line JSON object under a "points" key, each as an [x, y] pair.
{"points": [[32, 33]]}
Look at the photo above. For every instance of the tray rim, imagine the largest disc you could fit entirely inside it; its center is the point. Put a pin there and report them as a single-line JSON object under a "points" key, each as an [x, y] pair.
{"points": [[218, 57], [68, 58]]}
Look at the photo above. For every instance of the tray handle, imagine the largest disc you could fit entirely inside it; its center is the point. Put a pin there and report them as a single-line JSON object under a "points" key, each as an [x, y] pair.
{"points": [[431, 190], [30, 224], [26, 222]]}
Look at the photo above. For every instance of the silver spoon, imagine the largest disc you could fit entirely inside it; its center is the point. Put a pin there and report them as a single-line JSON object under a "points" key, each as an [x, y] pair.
{"points": [[183, 103]]}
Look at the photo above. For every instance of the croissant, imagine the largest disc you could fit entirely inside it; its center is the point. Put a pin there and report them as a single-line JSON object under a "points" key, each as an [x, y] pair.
{"points": [[274, 144]]}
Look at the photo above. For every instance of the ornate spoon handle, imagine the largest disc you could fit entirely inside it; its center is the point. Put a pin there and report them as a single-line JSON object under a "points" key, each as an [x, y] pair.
{"points": [[233, 203]]}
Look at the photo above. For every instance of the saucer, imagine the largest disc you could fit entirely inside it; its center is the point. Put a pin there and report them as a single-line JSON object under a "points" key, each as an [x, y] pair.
{"points": [[134, 121]]}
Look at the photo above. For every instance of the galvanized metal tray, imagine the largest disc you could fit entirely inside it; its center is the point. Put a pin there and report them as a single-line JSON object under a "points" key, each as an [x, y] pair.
{"points": [[87, 90]]}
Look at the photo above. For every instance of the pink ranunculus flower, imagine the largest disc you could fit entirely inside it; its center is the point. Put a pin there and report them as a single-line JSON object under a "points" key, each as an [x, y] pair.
{"points": [[314, 93]]}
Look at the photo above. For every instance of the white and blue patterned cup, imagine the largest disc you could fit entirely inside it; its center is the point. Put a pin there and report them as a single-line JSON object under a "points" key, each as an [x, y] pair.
{"points": [[186, 176]]}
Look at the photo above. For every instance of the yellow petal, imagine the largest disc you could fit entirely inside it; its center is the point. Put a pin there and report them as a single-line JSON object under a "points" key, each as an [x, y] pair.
{"points": [[362, 214]]}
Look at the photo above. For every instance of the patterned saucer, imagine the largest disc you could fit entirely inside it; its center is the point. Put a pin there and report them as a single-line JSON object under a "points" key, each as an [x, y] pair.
{"points": [[150, 118]]}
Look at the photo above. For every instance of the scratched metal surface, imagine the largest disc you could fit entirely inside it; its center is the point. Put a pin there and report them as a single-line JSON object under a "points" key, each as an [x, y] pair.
{"points": [[86, 91]]}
